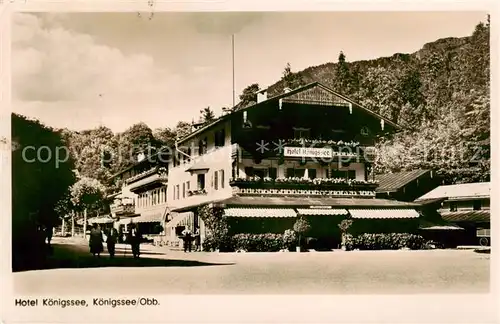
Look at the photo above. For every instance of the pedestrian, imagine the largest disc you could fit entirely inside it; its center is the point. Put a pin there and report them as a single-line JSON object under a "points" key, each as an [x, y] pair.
{"points": [[49, 230], [111, 240], [95, 241], [135, 240], [188, 238], [197, 239]]}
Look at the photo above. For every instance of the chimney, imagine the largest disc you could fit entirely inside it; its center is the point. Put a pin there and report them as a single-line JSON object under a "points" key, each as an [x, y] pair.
{"points": [[140, 157], [262, 95], [287, 90]]}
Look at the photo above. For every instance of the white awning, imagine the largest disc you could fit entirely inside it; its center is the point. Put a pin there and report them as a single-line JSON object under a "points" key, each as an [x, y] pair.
{"points": [[150, 217], [321, 211], [260, 212], [181, 219], [384, 213], [127, 220]]}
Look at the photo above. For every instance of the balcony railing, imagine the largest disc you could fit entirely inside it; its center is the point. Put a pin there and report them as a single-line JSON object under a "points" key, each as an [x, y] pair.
{"points": [[144, 174], [301, 186], [196, 192]]}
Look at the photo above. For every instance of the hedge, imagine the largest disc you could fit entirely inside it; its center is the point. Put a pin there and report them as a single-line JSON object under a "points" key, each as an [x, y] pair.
{"points": [[391, 241]]}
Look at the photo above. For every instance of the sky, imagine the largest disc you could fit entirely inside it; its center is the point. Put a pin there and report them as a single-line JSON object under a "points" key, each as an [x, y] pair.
{"points": [[83, 70]]}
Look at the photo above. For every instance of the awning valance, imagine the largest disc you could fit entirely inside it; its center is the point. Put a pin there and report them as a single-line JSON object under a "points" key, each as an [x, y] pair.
{"points": [[383, 213], [321, 211], [260, 212]]}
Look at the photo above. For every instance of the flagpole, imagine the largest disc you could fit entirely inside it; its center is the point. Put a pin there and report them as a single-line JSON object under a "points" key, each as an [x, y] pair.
{"points": [[232, 45]]}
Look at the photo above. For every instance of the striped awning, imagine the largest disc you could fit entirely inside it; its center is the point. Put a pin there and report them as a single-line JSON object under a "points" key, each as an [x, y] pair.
{"points": [[260, 212], [150, 217], [181, 219], [321, 211], [477, 216], [383, 213], [127, 220]]}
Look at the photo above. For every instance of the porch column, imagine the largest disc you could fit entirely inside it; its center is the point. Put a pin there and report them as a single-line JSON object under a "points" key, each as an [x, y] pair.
{"points": [[73, 224], [63, 229]]}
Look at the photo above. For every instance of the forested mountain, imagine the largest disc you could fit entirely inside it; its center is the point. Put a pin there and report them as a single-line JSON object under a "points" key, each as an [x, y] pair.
{"points": [[439, 95]]}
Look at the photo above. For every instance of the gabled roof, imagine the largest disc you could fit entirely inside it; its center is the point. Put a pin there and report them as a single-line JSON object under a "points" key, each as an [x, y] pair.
{"points": [[460, 191], [392, 182], [285, 95]]}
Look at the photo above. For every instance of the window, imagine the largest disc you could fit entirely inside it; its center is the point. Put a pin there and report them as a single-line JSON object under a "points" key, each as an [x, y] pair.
{"points": [[298, 173], [184, 190], [188, 185], [261, 173], [222, 179], [351, 174], [476, 204], [216, 180], [301, 132], [249, 171], [201, 181], [200, 147], [312, 173], [220, 138], [337, 174], [273, 173], [453, 206], [177, 190]]}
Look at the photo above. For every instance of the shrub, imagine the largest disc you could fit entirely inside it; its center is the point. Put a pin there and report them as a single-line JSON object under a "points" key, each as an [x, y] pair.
{"points": [[301, 226], [258, 242], [391, 241], [289, 239]]}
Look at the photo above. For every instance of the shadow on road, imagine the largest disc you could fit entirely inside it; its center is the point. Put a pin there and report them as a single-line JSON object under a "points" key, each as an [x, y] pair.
{"points": [[65, 256]]}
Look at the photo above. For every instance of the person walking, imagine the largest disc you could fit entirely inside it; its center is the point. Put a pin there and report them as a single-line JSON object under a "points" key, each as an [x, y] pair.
{"points": [[95, 241], [188, 239], [197, 239], [111, 241], [135, 240]]}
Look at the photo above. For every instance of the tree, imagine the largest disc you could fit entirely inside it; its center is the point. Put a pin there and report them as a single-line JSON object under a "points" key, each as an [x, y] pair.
{"points": [[88, 195], [290, 79], [217, 227], [166, 136], [183, 129], [249, 94], [41, 175], [343, 75], [301, 226], [207, 115], [344, 226]]}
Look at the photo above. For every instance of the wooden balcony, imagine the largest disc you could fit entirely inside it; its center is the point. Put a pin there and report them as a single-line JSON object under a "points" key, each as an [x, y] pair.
{"points": [[304, 187], [280, 149]]}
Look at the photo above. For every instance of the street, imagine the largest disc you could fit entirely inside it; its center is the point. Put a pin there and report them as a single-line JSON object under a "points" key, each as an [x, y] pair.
{"points": [[161, 271]]}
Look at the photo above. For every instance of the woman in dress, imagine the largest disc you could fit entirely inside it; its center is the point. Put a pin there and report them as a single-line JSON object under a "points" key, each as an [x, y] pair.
{"points": [[95, 241]]}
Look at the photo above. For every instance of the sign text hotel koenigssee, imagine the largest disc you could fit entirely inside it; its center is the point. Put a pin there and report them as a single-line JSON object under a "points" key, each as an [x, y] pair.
{"points": [[308, 152]]}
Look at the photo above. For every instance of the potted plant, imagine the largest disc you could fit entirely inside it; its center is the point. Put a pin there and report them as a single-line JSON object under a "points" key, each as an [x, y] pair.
{"points": [[301, 226], [344, 226]]}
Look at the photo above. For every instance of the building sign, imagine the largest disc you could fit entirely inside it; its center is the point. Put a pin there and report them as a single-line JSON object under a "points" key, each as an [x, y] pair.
{"points": [[308, 152]]}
